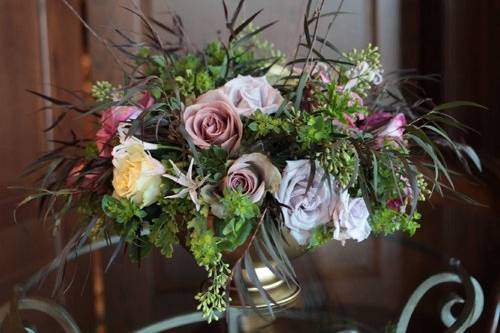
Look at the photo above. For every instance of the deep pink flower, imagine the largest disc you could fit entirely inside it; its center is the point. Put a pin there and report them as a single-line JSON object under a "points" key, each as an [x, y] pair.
{"points": [[376, 119], [394, 129], [110, 119], [394, 204], [147, 100]]}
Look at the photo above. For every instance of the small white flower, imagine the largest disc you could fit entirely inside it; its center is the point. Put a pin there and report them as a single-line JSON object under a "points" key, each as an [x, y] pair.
{"points": [[363, 72], [190, 185]]}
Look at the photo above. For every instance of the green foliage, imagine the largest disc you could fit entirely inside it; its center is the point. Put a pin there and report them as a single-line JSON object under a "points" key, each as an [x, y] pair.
{"points": [[340, 160], [204, 246], [371, 55], [240, 214], [102, 91], [390, 181], [320, 236], [387, 221], [336, 102], [128, 223], [212, 301], [239, 205], [423, 186], [164, 228], [213, 162], [203, 243], [91, 151], [314, 130], [121, 210], [138, 247], [263, 124], [215, 53]]}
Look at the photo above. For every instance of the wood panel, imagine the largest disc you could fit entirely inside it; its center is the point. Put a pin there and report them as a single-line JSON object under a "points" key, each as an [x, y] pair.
{"points": [[21, 140]]}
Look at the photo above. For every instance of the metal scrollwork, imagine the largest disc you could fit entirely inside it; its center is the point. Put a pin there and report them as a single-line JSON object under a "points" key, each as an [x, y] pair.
{"points": [[472, 304]]}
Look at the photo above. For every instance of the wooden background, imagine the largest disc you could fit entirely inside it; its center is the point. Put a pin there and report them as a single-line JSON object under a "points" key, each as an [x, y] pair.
{"points": [[43, 46]]}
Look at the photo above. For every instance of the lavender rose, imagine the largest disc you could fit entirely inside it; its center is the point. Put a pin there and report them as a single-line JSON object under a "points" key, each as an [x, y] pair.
{"points": [[253, 174], [350, 218], [251, 93], [306, 209], [213, 120]]}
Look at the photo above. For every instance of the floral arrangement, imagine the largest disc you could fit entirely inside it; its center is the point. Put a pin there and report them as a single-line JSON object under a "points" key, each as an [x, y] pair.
{"points": [[232, 148]]}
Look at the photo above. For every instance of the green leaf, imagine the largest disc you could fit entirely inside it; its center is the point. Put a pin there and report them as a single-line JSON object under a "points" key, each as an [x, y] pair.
{"points": [[139, 248], [456, 104], [121, 210]]}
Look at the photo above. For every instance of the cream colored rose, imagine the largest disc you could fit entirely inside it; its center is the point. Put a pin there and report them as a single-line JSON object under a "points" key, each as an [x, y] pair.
{"points": [[136, 174]]}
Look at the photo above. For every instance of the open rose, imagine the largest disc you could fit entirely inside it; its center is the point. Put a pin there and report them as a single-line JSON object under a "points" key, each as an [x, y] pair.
{"points": [[112, 117], [305, 208], [136, 174], [249, 93], [253, 174], [350, 218], [213, 120]]}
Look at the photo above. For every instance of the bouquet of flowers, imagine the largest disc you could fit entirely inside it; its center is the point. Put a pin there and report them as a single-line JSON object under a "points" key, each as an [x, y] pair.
{"points": [[233, 148]]}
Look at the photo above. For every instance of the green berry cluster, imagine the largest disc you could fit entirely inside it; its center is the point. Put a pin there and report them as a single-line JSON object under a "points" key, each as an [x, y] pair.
{"points": [[339, 160], [102, 91]]}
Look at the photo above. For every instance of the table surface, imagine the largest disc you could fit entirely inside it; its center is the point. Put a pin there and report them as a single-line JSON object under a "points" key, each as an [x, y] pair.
{"points": [[361, 286]]}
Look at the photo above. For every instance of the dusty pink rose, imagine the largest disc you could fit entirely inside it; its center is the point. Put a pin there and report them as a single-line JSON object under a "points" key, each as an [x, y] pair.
{"points": [[253, 174], [249, 93], [110, 119], [213, 120]]}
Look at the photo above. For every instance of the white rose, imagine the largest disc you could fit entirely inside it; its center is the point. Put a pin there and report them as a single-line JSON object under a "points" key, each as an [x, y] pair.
{"points": [[306, 209], [136, 174], [350, 218], [249, 93]]}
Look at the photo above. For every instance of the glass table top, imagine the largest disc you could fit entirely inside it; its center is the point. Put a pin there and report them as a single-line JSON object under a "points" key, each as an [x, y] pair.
{"points": [[359, 287]]}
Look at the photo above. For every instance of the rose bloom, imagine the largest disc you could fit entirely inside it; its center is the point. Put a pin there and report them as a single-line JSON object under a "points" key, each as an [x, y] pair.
{"points": [[112, 117], [253, 174], [350, 218], [305, 210], [213, 120], [249, 93], [136, 174]]}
